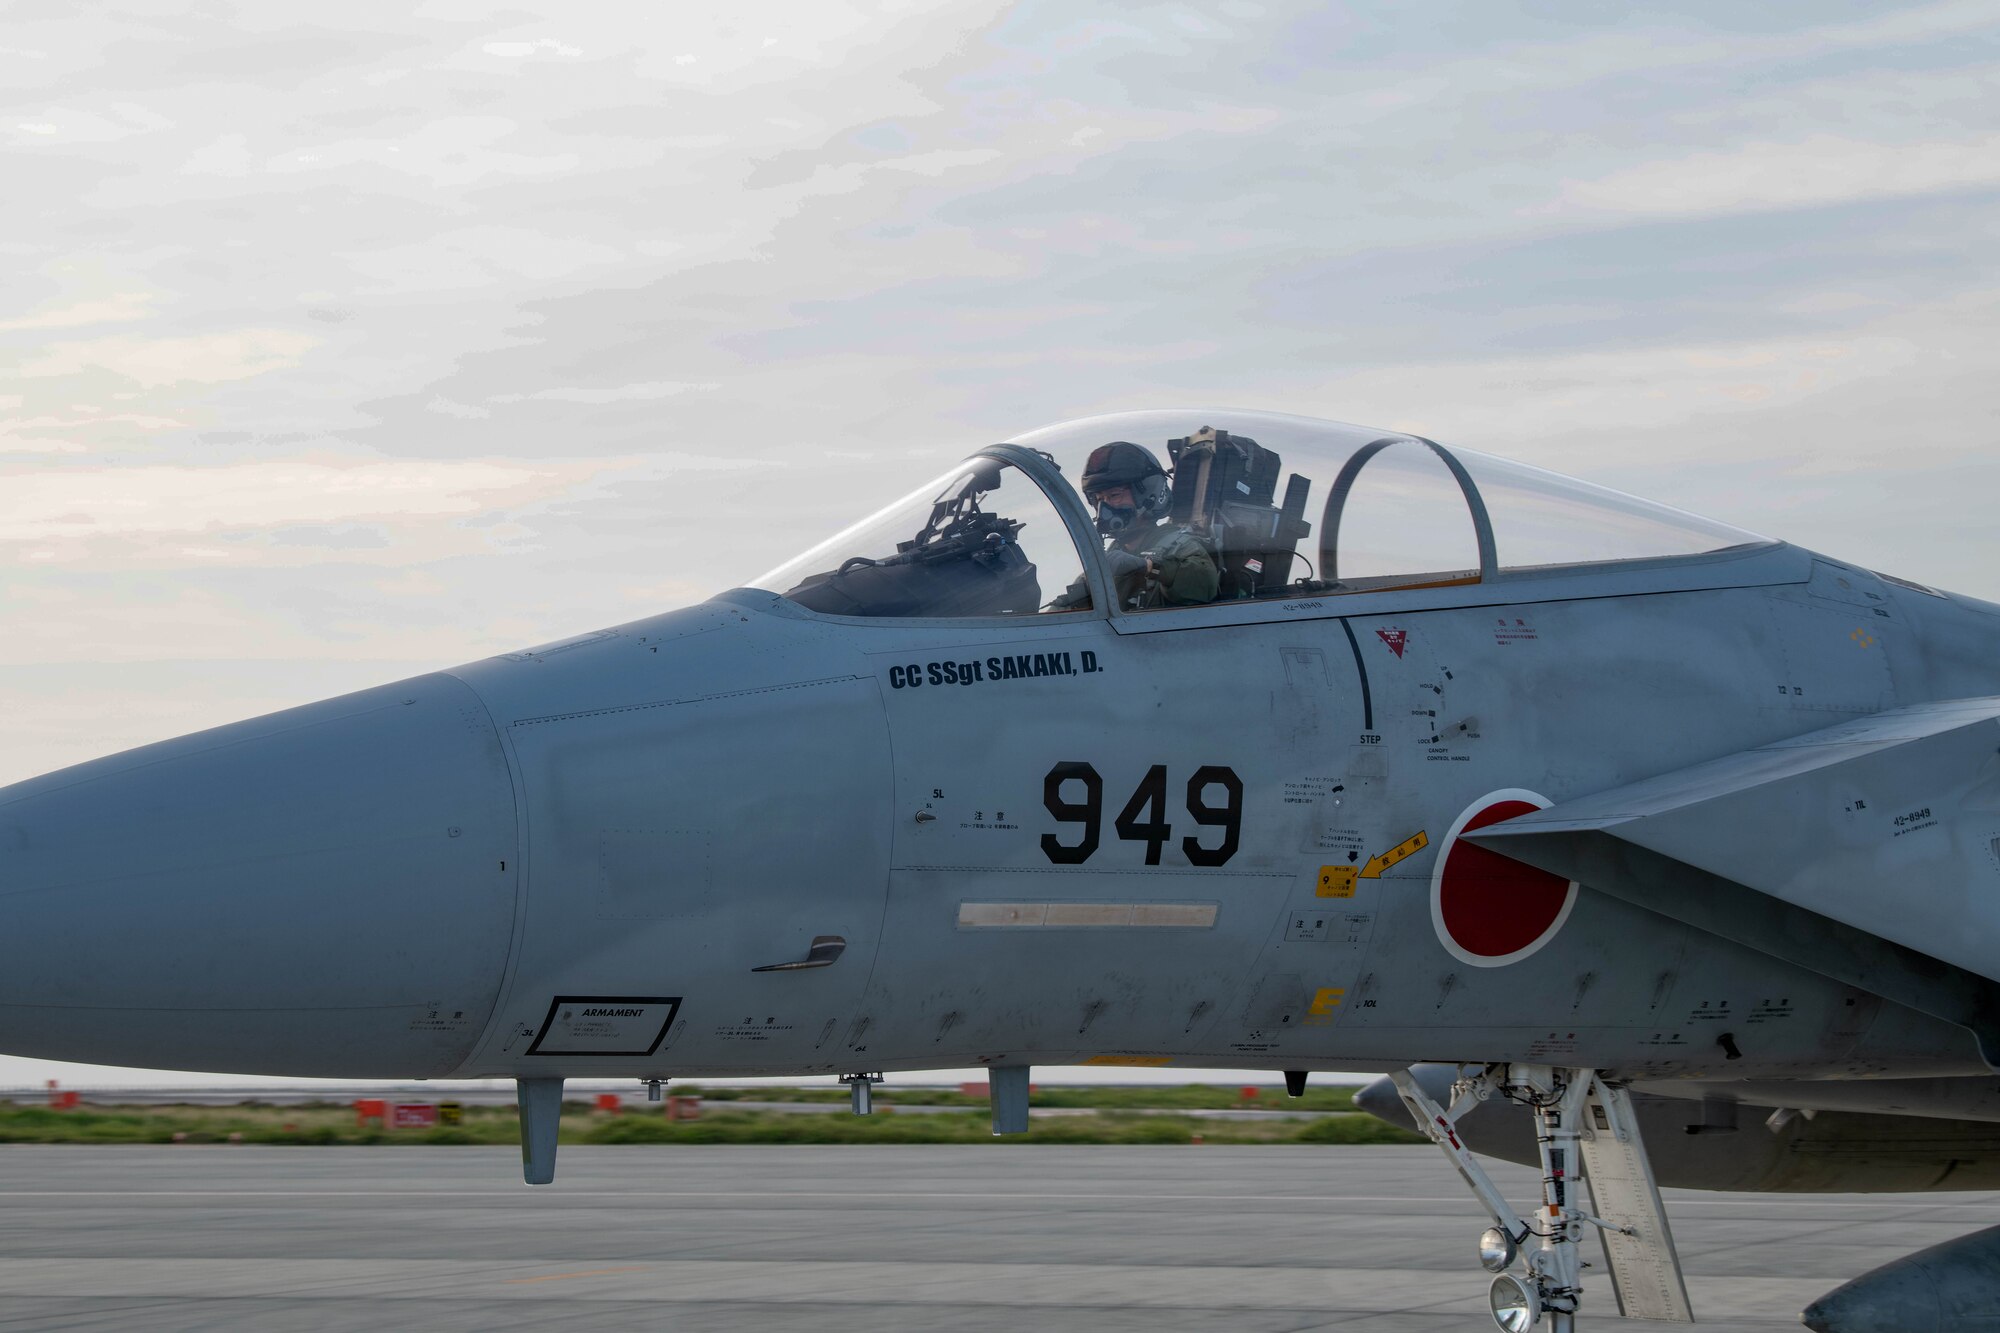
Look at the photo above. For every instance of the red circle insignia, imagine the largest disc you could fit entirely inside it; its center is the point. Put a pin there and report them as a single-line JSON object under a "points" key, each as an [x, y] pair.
{"points": [[1489, 909]]}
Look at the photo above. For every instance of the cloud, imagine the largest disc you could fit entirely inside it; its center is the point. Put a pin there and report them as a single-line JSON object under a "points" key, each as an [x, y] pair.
{"points": [[68, 433], [1586, 395], [624, 393], [121, 308], [1914, 24], [454, 151], [478, 257], [64, 503], [70, 126], [1815, 171], [157, 362], [444, 406], [519, 50]]}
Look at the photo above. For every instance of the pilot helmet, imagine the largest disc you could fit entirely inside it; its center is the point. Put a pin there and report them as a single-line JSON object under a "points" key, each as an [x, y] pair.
{"points": [[1122, 463]]}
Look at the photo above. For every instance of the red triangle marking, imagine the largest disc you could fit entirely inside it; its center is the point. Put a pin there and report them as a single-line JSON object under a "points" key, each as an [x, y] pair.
{"points": [[1395, 638]]}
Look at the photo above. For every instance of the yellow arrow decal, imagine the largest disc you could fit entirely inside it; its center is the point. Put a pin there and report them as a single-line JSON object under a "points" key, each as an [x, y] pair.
{"points": [[1402, 851]]}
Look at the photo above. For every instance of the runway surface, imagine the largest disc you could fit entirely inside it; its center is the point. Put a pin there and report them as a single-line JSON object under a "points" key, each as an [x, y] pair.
{"points": [[1006, 1237]]}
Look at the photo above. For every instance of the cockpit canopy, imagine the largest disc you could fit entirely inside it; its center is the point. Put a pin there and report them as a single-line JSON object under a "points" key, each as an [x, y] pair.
{"points": [[1263, 505]]}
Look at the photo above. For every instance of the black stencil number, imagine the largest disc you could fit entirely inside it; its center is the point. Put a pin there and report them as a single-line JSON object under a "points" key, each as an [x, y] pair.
{"points": [[1151, 796], [1144, 818], [1089, 812], [1229, 818]]}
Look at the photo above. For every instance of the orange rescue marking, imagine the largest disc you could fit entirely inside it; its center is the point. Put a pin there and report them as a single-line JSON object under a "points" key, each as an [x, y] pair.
{"points": [[1402, 851]]}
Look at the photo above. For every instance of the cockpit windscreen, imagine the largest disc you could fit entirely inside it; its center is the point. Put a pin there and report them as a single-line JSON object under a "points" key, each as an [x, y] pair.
{"points": [[982, 540]]}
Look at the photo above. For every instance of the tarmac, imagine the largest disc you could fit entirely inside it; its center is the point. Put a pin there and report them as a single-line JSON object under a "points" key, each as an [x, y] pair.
{"points": [[695, 1238]]}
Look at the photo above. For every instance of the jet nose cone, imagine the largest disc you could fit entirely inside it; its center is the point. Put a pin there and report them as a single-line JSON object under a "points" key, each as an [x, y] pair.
{"points": [[328, 890]]}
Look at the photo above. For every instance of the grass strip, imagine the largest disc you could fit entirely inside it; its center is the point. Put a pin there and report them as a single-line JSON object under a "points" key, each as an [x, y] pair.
{"points": [[328, 1124]]}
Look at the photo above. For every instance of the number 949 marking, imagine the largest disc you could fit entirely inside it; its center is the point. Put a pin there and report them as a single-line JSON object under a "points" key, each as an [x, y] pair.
{"points": [[1144, 818]]}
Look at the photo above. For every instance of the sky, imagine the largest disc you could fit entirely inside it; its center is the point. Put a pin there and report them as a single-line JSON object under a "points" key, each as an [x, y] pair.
{"points": [[341, 343]]}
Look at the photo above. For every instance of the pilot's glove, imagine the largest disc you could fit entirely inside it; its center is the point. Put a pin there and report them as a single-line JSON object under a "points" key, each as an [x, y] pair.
{"points": [[1124, 564]]}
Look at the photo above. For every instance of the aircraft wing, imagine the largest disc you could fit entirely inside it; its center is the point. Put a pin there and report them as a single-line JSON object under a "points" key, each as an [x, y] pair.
{"points": [[1870, 850]]}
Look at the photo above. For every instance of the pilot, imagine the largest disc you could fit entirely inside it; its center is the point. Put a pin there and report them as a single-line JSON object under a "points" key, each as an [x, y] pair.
{"points": [[1152, 562]]}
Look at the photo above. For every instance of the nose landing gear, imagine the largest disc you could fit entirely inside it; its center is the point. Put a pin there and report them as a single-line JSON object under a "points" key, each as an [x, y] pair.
{"points": [[1580, 1122]]}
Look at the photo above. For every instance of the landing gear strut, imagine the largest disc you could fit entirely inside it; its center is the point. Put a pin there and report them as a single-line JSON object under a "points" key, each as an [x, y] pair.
{"points": [[1582, 1125]]}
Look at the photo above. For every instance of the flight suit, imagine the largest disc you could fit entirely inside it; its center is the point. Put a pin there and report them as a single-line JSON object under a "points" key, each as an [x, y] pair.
{"points": [[1184, 573]]}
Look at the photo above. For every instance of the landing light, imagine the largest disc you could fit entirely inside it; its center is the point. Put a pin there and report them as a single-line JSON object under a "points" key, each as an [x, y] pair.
{"points": [[1516, 1308], [1497, 1250]]}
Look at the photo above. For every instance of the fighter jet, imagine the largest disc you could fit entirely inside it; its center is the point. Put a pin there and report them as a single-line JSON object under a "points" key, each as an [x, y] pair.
{"points": [[1210, 738]]}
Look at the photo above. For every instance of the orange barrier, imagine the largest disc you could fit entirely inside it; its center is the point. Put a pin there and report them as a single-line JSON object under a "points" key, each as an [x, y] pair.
{"points": [[981, 1088]]}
